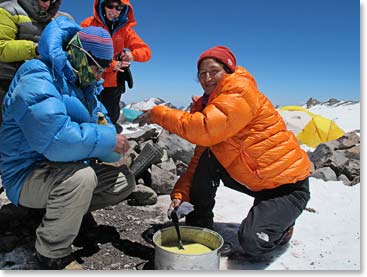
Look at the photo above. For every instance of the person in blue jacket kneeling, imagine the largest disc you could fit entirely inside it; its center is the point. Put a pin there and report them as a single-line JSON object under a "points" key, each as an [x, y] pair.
{"points": [[52, 148]]}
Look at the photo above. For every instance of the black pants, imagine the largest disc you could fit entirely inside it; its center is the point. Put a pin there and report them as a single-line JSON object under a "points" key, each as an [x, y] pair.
{"points": [[4, 87], [272, 213], [110, 98]]}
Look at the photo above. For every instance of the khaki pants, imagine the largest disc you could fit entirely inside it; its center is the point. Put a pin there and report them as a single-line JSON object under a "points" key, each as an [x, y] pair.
{"points": [[68, 191]]}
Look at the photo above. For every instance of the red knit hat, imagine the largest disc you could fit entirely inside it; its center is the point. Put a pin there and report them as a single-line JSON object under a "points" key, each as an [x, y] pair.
{"points": [[222, 54]]}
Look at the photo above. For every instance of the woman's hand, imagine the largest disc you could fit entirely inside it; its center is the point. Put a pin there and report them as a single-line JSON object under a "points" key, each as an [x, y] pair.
{"points": [[120, 65], [124, 61], [174, 204], [127, 57], [122, 144]]}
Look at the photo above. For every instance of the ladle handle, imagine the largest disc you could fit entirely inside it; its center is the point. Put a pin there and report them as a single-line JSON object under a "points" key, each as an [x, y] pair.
{"points": [[177, 227], [180, 245]]}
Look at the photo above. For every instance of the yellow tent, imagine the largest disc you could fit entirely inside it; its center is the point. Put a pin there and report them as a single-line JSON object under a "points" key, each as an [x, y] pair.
{"points": [[318, 129]]}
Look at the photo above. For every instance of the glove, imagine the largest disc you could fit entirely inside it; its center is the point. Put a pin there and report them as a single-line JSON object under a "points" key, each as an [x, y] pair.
{"points": [[123, 77], [184, 209]]}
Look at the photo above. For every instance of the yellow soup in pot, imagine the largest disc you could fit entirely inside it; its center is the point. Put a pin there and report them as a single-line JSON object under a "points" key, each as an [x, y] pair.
{"points": [[192, 248]]}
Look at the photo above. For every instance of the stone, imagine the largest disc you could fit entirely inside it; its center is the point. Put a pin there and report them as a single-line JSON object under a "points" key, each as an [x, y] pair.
{"points": [[142, 195]]}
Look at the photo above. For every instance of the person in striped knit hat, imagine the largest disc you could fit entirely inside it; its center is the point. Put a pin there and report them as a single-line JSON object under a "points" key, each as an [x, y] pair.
{"points": [[53, 147]]}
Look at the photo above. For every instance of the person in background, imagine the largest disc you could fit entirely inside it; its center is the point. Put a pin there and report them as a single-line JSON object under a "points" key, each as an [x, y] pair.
{"points": [[21, 24], [242, 141], [117, 17], [53, 145]]}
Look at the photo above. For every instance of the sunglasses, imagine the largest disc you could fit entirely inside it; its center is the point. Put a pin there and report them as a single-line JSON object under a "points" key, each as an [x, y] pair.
{"points": [[52, 1], [100, 69], [116, 7]]}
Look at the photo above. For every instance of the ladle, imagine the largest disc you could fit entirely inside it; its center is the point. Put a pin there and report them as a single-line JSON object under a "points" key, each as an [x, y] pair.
{"points": [[175, 214], [177, 227]]}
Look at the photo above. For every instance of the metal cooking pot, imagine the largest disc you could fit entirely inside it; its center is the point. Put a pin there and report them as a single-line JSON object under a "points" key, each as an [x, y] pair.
{"points": [[167, 260]]}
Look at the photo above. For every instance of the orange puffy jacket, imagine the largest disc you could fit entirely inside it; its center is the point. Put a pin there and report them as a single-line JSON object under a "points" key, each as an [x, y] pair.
{"points": [[123, 37], [243, 130]]}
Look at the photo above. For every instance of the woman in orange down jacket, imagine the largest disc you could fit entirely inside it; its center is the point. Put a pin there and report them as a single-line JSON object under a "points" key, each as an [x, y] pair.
{"points": [[243, 141], [117, 17]]}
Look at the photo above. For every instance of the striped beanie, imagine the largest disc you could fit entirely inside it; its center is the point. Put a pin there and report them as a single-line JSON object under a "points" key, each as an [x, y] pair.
{"points": [[97, 41]]}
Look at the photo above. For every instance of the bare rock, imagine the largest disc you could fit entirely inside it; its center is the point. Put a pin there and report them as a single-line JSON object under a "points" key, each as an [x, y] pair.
{"points": [[142, 195], [324, 173], [169, 166], [177, 148], [162, 180]]}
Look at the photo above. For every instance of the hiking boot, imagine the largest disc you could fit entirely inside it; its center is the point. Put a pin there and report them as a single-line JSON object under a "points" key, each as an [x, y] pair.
{"points": [[98, 235], [88, 222], [67, 262], [87, 227], [226, 249], [240, 256], [287, 235]]}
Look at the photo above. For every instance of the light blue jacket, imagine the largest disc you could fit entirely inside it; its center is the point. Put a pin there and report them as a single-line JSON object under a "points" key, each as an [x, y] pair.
{"points": [[46, 117]]}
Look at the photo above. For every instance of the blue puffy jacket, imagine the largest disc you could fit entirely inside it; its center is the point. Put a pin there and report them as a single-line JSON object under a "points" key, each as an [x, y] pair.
{"points": [[46, 117]]}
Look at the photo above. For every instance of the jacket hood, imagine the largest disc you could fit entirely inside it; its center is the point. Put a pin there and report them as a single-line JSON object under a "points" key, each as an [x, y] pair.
{"points": [[52, 49], [33, 10], [52, 46], [128, 18]]}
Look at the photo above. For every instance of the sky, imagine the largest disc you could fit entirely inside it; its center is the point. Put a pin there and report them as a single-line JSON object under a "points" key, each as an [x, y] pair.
{"points": [[294, 49]]}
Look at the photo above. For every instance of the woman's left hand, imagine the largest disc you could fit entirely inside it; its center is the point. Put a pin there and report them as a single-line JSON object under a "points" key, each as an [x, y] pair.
{"points": [[120, 65], [127, 57]]}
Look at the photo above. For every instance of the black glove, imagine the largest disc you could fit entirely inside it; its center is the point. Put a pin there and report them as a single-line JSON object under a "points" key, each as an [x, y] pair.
{"points": [[123, 77]]}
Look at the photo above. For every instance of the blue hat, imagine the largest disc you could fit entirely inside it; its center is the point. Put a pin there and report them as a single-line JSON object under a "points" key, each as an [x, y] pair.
{"points": [[98, 42]]}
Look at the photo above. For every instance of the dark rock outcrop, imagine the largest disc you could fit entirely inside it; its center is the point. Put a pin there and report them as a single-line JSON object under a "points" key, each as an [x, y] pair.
{"points": [[342, 156]]}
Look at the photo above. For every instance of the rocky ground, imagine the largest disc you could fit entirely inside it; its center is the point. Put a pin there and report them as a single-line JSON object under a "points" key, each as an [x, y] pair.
{"points": [[121, 244], [117, 243]]}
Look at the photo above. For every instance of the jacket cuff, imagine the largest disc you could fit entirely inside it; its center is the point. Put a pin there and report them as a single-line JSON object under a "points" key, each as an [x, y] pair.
{"points": [[176, 196]]}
